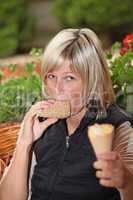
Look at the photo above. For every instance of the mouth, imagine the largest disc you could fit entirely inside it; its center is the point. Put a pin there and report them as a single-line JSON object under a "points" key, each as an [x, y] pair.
{"points": [[62, 98]]}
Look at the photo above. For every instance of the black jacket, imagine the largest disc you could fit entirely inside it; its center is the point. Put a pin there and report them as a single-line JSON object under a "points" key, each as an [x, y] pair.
{"points": [[64, 168]]}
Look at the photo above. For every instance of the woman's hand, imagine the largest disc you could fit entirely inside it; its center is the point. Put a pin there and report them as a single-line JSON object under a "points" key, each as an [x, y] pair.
{"points": [[111, 170], [31, 128]]}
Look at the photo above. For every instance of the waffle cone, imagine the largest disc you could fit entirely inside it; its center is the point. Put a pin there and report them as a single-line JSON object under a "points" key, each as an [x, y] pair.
{"points": [[101, 136]]}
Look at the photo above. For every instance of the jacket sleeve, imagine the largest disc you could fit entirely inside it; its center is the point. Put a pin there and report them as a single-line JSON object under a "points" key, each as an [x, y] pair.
{"points": [[123, 143]]}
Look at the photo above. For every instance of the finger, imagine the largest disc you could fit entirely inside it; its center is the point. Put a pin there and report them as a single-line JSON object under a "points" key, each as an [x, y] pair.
{"points": [[30, 122], [41, 106], [101, 164], [35, 110], [36, 121], [50, 101], [48, 122], [104, 174], [105, 165], [28, 117], [114, 181], [107, 183], [108, 156]]}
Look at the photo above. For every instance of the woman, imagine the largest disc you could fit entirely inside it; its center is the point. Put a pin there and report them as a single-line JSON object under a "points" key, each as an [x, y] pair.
{"points": [[64, 165]]}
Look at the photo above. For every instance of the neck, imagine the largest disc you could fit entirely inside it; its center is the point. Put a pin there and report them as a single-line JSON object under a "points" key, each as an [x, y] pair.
{"points": [[74, 121]]}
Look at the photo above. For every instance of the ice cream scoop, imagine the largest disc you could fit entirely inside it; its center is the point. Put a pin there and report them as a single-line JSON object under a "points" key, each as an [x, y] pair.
{"points": [[101, 136]]}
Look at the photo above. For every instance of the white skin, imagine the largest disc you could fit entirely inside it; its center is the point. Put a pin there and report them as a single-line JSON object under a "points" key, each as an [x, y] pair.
{"points": [[111, 170]]}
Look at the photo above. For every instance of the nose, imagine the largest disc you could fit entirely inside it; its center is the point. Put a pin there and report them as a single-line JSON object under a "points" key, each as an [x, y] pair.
{"points": [[59, 86]]}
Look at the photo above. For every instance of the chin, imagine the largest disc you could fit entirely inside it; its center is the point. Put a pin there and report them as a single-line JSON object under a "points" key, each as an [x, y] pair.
{"points": [[77, 109]]}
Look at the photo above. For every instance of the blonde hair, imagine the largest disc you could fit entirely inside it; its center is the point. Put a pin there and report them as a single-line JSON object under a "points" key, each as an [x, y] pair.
{"points": [[82, 48]]}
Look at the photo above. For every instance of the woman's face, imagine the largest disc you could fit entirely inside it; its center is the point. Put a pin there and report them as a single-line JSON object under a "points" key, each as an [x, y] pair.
{"points": [[63, 84]]}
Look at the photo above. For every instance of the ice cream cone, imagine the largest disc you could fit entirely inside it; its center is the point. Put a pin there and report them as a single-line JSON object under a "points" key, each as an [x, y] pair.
{"points": [[101, 136]]}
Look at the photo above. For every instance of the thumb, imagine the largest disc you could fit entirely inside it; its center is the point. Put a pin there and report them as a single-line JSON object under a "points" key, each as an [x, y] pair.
{"points": [[48, 122]]}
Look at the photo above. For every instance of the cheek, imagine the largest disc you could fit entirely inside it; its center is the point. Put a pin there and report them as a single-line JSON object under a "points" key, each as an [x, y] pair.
{"points": [[50, 84], [50, 87], [75, 95], [74, 89]]}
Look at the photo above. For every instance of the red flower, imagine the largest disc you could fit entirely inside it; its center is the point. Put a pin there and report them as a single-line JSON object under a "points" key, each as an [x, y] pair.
{"points": [[38, 68], [128, 40], [127, 44], [123, 50], [19, 71]]}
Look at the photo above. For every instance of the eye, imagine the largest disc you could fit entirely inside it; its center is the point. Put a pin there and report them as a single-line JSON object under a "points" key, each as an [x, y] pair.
{"points": [[69, 78], [50, 76]]}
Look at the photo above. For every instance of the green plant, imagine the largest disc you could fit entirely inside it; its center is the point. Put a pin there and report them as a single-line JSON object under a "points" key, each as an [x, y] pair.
{"points": [[99, 15], [120, 59], [15, 25], [18, 94]]}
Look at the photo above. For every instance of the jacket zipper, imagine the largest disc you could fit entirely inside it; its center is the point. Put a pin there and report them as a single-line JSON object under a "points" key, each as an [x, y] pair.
{"points": [[67, 141], [67, 146]]}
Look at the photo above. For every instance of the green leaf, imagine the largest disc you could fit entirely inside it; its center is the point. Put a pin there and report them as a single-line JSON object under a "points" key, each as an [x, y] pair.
{"points": [[36, 51], [12, 67], [1, 74], [116, 46], [109, 55], [29, 67]]}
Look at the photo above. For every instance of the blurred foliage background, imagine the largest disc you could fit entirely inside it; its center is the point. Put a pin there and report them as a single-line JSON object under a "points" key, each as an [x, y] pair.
{"points": [[100, 15], [15, 26], [25, 24], [112, 17]]}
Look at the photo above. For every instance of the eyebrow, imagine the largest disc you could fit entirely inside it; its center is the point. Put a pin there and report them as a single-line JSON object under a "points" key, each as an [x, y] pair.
{"points": [[68, 72], [65, 72]]}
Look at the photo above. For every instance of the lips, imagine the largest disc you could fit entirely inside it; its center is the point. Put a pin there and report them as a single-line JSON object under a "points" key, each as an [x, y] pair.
{"points": [[62, 98]]}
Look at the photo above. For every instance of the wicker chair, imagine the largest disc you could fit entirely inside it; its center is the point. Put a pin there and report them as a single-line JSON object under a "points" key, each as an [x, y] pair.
{"points": [[8, 137]]}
